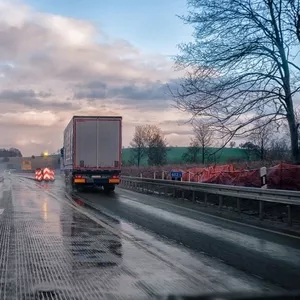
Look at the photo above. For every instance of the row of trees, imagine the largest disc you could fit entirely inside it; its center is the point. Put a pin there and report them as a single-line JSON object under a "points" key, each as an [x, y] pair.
{"points": [[11, 152], [264, 143], [148, 141], [242, 69]]}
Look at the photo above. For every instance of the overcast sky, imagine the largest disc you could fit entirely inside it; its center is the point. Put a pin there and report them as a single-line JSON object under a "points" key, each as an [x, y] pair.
{"points": [[87, 57]]}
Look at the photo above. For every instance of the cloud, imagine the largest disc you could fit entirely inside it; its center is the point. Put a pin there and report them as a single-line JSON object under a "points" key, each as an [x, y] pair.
{"points": [[32, 99], [152, 95], [53, 67]]}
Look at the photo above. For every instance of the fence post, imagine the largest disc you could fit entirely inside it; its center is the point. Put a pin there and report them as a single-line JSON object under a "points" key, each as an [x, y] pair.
{"points": [[163, 175], [189, 176], [220, 201], [154, 175], [194, 196], [289, 215], [261, 210], [238, 205], [141, 175]]}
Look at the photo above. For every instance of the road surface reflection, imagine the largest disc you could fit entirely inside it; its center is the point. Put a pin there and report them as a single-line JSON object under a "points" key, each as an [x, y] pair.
{"points": [[91, 246]]}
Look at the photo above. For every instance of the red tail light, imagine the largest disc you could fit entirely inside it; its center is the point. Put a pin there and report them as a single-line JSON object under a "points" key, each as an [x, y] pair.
{"points": [[78, 176], [115, 176]]}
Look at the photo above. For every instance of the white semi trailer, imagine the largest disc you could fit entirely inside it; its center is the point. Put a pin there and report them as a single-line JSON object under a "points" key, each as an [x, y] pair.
{"points": [[92, 151]]}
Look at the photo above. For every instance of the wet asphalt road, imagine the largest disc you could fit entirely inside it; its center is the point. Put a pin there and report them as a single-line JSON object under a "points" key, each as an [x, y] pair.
{"points": [[271, 256], [55, 246]]}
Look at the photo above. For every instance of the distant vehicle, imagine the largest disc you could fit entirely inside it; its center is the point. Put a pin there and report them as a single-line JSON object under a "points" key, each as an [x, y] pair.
{"points": [[26, 165], [91, 155]]}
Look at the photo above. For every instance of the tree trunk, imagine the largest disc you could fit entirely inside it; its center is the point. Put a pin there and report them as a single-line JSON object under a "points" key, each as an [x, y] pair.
{"points": [[139, 157], [203, 155], [294, 139], [293, 127], [262, 150]]}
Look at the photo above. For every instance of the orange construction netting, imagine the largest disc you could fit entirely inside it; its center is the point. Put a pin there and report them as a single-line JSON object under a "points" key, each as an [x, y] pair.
{"points": [[282, 176]]}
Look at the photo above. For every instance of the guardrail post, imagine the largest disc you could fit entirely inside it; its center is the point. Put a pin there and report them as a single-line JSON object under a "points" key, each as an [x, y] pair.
{"points": [[289, 215], [163, 175], [154, 175], [141, 175], [189, 176], [220, 201], [261, 209], [238, 205]]}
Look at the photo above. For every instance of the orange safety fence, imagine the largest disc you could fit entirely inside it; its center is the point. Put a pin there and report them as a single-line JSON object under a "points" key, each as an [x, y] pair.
{"points": [[204, 174], [282, 176]]}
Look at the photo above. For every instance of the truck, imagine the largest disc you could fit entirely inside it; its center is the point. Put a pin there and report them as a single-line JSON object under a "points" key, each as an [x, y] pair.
{"points": [[92, 152], [26, 165]]}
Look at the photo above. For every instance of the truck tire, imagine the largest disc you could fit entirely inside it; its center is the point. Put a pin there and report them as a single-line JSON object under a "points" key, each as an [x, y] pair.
{"points": [[109, 188]]}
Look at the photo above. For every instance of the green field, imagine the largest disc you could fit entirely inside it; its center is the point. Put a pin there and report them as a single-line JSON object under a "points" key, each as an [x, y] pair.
{"points": [[175, 155]]}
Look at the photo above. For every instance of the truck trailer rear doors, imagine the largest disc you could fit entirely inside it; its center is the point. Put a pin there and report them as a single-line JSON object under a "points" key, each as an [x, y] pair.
{"points": [[97, 143]]}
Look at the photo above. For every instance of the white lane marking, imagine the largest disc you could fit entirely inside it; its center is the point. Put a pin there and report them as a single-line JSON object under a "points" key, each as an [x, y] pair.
{"points": [[1, 211], [216, 217]]}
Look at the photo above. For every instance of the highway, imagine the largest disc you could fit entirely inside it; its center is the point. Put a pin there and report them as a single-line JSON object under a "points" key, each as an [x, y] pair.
{"points": [[271, 255], [61, 245]]}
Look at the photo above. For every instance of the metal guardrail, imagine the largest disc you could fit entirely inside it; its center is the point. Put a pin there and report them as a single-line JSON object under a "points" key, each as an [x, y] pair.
{"points": [[269, 195], [285, 197]]}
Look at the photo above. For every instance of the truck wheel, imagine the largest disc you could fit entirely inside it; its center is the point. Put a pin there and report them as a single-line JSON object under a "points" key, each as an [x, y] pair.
{"points": [[109, 189]]}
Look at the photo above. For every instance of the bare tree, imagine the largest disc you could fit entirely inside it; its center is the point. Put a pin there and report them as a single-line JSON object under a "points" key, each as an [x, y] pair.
{"points": [[232, 144], [241, 67], [261, 137], [193, 151], [285, 130], [146, 139], [294, 16], [138, 145], [278, 150], [157, 150], [204, 137], [251, 151]]}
